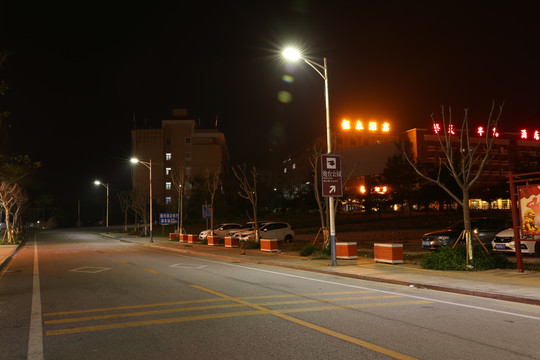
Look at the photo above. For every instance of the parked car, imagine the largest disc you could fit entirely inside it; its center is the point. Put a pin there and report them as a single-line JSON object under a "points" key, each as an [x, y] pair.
{"points": [[270, 230], [246, 227], [485, 228], [504, 241], [220, 230]]}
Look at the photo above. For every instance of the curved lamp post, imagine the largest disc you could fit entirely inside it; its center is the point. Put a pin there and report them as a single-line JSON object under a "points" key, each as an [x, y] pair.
{"points": [[149, 166], [97, 182], [293, 54]]}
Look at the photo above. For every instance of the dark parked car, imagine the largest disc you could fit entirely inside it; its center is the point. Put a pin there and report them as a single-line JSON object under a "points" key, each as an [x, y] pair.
{"points": [[484, 228]]}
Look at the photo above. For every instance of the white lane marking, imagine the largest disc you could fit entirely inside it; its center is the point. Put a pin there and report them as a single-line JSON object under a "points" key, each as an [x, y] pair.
{"points": [[372, 289], [90, 269], [35, 339]]}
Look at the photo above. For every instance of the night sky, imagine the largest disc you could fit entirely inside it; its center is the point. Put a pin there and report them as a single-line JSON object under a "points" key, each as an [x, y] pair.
{"points": [[82, 75]]}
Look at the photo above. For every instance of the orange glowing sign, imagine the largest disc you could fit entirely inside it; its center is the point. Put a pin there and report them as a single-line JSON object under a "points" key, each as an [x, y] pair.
{"points": [[359, 125]]}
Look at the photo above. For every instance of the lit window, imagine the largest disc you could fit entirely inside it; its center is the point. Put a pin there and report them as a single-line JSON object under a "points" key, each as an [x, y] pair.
{"points": [[188, 156], [167, 171], [168, 200], [187, 170], [168, 185], [188, 141], [294, 166], [285, 170], [168, 156]]}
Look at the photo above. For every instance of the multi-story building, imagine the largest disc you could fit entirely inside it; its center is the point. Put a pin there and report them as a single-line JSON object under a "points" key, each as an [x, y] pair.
{"points": [[179, 144], [511, 152]]}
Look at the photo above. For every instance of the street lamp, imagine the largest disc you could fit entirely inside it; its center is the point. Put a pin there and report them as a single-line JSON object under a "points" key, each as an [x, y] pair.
{"points": [[149, 166], [293, 54], [97, 182]]}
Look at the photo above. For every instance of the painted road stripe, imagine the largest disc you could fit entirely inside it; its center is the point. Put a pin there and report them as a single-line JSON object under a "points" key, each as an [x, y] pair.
{"points": [[35, 338], [132, 307], [210, 307], [153, 322], [309, 325], [152, 271], [140, 313]]}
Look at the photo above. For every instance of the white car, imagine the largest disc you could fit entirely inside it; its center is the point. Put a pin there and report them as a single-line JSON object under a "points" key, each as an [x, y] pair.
{"points": [[270, 230], [247, 227], [504, 241], [220, 230]]}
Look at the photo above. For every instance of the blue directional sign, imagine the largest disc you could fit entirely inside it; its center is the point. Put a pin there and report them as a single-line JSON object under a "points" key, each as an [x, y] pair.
{"points": [[206, 211], [168, 218]]}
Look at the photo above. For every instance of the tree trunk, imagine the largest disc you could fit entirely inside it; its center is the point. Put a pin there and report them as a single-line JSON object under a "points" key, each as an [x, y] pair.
{"points": [[467, 224]]}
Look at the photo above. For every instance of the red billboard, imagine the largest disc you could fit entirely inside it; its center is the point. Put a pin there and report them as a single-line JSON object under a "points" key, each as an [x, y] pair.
{"points": [[529, 209]]}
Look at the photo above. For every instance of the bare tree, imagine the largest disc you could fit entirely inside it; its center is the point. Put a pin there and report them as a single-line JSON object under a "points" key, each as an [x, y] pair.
{"points": [[212, 183], [248, 187], [21, 203], [125, 200], [180, 180], [139, 205], [465, 160], [322, 203], [8, 193]]}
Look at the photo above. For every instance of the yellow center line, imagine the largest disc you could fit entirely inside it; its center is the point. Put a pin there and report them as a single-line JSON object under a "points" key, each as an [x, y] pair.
{"points": [[321, 329], [152, 271]]}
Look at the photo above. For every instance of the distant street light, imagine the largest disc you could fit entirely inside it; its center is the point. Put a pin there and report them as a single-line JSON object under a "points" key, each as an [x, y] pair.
{"points": [[293, 54], [149, 166], [97, 182]]}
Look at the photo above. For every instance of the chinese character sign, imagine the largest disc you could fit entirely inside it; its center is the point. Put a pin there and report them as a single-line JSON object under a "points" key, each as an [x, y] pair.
{"points": [[529, 208], [168, 218]]}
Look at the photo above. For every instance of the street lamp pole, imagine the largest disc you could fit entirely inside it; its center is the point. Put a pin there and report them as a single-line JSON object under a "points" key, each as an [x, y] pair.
{"points": [[294, 54], [149, 166], [97, 182]]}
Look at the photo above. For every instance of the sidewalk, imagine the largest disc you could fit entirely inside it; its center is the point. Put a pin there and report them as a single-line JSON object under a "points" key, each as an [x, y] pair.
{"points": [[507, 284]]}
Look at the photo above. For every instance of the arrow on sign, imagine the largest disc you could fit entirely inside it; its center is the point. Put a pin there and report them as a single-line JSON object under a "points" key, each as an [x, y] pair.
{"points": [[332, 189]]}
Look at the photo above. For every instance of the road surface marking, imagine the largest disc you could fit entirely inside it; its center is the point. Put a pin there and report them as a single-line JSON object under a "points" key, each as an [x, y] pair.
{"points": [[152, 322], [309, 325], [132, 307], [376, 290], [223, 306], [140, 313], [35, 338], [152, 271]]}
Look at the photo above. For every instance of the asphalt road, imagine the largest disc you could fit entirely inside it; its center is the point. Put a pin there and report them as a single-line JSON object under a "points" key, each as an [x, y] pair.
{"points": [[75, 295]]}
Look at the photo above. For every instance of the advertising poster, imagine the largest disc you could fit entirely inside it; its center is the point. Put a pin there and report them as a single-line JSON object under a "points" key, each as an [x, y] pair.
{"points": [[529, 209]]}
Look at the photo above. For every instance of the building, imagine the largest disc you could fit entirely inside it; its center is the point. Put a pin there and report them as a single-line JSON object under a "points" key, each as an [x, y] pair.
{"points": [[364, 149], [178, 144], [512, 152]]}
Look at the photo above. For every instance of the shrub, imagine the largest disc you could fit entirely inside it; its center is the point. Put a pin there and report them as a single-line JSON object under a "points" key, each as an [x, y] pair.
{"points": [[447, 258], [307, 250]]}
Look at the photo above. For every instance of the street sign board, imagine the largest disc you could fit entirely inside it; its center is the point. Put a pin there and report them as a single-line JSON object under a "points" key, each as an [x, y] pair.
{"points": [[168, 218], [331, 175], [206, 211]]}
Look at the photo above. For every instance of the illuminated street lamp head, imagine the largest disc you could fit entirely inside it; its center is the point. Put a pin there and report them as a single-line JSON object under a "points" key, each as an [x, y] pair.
{"points": [[97, 182], [134, 160], [291, 54]]}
